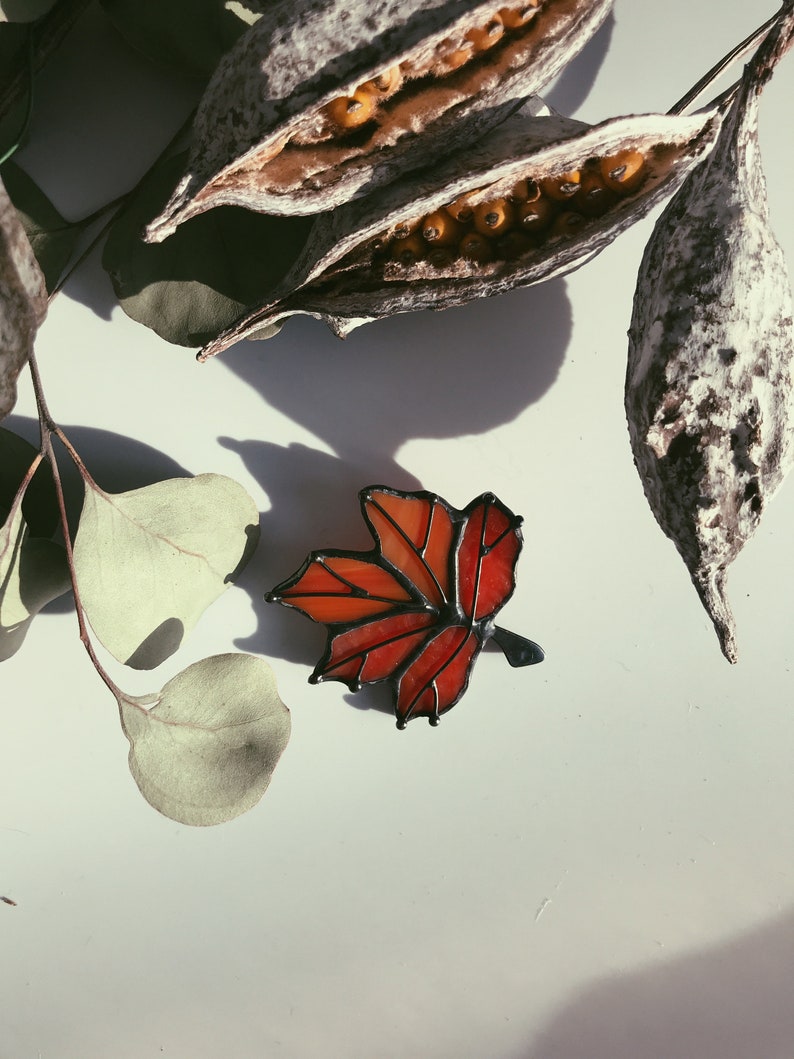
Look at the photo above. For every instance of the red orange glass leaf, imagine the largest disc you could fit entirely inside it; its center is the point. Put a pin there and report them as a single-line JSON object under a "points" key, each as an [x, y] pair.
{"points": [[417, 609]]}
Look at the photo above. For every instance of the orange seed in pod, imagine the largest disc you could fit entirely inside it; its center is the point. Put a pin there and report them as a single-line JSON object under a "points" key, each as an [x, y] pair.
{"points": [[441, 229], [441, 256], [406, 228], [525, 191], [536, 216], [623, 172], [476, 247], [461, 209], [385, 84], [409, 250], [485, 37], [594, 198], [563, 186], [516, 17], [513, 245], [493, 218], [452, 56], [566, 223], [349, 112]]}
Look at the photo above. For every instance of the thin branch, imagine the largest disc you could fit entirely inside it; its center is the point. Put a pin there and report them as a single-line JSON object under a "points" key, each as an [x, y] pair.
{"points": [[727, 60], [48, 428]]}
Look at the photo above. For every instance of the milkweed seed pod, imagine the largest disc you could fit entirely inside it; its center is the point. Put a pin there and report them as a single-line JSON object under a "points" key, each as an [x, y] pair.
{"points": [[355, 269], [323, 100], [23, 301], [711, 354]]}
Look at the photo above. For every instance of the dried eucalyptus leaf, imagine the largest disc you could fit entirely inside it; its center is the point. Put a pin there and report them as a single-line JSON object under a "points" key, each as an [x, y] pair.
{"points": [[150, 561], [24, 10], [40, 503], [268, 136], [33, 572], [711, 354], [195, 285], [205, 750], [52, 238], [348, 274], [23, 301], [186, 35]]}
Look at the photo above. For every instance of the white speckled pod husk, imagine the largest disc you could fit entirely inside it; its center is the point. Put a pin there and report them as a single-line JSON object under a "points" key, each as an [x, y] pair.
{"points": [[335, 279], [302, 54], [711, 354], [23, 301]]}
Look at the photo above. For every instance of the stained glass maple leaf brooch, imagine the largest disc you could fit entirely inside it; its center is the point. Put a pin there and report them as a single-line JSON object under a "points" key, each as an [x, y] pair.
{"points": [[416, 610]]}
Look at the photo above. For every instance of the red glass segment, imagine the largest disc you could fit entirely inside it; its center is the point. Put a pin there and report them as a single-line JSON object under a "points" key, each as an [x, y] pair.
{"points": [[371, 652], [437, 678], [415, 534]]}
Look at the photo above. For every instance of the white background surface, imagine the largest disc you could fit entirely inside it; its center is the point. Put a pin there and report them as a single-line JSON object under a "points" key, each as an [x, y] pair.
{"points": [[588, 859]]}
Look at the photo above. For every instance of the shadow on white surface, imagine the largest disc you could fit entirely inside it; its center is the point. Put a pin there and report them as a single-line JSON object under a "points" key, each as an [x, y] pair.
{"points": [[479, 375], [732, 1001], [572, 87]]}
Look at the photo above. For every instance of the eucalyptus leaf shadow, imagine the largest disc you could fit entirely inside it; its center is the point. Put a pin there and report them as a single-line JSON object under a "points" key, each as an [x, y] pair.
{"points": [[419, 375], [731, 1001], [314, 505]]}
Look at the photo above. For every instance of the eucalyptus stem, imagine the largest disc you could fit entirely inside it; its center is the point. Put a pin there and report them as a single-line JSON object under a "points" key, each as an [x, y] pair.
{"points": [[48, 427]]}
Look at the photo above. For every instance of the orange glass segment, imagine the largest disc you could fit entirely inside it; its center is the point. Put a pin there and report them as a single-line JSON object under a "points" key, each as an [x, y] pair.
{"points": [[486, 560], [343, 589], [415, 535], [437, 677], [373, 651]]}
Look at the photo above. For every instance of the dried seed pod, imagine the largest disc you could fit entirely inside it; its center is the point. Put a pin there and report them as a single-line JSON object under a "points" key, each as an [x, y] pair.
{"points": [[266, 134], [338, 278], [23, 301], [711, 354]]}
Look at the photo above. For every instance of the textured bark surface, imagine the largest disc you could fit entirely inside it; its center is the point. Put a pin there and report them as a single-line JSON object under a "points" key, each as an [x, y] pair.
{"points": [[23, 301], [711, 359], [304, 53], [335, 279]]}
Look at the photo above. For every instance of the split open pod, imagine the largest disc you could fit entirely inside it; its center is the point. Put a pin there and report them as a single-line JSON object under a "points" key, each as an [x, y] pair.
{"points": [[321, 101], [536, 198]]}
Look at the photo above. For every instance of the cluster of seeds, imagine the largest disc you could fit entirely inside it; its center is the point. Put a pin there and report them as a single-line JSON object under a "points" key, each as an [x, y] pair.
{"points": [[530, 214], [347, 113]]}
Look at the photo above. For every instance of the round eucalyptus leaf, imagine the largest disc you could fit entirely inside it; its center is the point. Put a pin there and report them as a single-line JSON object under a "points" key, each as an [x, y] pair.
{"points": [[206, 750], [200, 281], [150, 561]]}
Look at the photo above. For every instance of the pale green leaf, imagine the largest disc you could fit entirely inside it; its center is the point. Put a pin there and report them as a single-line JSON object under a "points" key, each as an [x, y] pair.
{"points": [[150, 561], [24, 10], [32, 573], [206, 750]]}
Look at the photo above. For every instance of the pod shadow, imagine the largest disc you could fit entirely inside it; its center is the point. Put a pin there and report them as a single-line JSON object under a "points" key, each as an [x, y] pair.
{"points": [[730, 1001]]}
